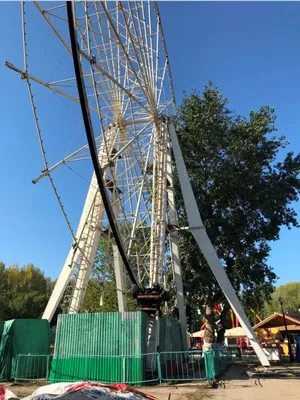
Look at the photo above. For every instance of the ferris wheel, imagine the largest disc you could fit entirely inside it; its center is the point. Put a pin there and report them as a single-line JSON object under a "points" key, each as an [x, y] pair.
{"points": [[121, 80]]}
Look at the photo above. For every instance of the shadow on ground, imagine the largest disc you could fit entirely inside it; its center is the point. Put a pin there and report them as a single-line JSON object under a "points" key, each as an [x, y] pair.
{"points": [[243, 369]]}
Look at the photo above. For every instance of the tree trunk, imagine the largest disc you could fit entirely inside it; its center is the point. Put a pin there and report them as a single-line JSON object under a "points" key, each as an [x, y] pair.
{"points": [[209, 332]]}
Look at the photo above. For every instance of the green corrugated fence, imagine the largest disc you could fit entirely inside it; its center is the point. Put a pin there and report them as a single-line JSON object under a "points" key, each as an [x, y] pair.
{"points": [[107, 334], [133, 370]]}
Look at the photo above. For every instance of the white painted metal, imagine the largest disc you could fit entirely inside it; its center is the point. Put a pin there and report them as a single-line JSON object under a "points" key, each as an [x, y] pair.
{"points": [[198, 230], [174, 244], [159, 209], [118, 263]]}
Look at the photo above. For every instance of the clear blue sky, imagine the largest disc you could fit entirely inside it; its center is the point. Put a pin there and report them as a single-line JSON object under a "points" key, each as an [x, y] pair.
{"points": [[250, 50]]}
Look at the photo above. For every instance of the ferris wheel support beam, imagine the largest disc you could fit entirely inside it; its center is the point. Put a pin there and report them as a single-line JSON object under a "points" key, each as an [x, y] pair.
{"points": [[89, 244], [118, 263], [174, 243], [198, 230], [158, 222]]}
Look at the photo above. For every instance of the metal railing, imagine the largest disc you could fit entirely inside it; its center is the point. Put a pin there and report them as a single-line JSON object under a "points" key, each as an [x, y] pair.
{"points": [[30, 367], [135, 370], [181, 366]]}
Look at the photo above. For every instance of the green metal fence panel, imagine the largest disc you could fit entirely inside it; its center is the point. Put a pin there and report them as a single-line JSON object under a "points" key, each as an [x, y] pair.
{"points": [[181, 366], [30, 367], [109, 333], [129, 369]]}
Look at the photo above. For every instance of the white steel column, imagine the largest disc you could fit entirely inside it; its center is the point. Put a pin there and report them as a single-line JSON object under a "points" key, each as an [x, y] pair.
{"points": [[198, 230], [89, 245], [159, 209], [174, 243], [118, 263]]}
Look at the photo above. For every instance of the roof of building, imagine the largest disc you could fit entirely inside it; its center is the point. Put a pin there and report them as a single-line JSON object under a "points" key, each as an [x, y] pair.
{"points": [[276, 320]]}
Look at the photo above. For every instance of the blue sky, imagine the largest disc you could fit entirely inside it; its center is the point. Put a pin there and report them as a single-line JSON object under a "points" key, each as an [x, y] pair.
{"points": [[250, 50]]}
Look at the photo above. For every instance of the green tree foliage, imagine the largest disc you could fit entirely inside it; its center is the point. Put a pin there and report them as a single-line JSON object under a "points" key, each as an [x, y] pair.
{"points": [[24, 292], [290, 292], [102, 284], [3, 292], [243, 192]]}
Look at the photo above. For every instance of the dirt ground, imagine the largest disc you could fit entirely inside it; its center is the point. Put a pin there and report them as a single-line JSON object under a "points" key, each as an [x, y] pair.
{"points": [[243, 381]]}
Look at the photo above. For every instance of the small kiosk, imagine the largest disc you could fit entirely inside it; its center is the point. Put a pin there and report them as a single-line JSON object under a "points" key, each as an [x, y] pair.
{"points": [[273, 336]]}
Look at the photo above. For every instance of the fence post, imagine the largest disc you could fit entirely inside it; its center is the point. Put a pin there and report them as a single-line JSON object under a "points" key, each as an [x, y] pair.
{"points": [[16, 367], [86, 368], [159, 368], [47, 368]]}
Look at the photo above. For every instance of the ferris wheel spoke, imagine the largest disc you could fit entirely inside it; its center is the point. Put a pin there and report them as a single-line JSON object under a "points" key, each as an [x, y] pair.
{"points": [[105, 50], [106, 83], [139, 199], [143, 35], [157, 59], [160, 89], [67, 47], [26, 75], [73, 156], [151, 41], [98, 66], [140, 37], [137, 54], [128, 58]]}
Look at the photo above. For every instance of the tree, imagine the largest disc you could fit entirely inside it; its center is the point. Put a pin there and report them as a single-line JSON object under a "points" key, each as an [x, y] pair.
{"points": [[102, 284], [27, 292], [244, 195], [3, 292], [108, 292], [290, 292]]}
